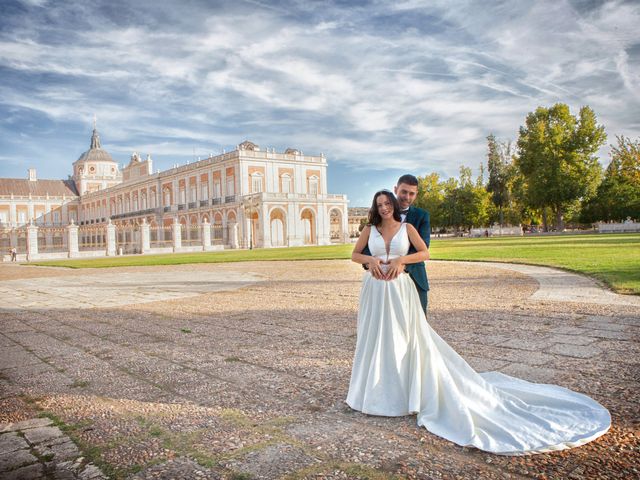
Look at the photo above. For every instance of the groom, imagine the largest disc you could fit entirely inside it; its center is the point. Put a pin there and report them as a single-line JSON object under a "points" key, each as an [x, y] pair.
{"points": [[406, 191]]}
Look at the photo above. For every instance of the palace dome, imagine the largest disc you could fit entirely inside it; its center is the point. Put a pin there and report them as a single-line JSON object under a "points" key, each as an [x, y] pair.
{"points": [[95, 152]]}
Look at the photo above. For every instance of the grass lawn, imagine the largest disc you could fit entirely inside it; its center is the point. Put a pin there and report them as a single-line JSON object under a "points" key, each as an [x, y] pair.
{"points": [[613, 259]]}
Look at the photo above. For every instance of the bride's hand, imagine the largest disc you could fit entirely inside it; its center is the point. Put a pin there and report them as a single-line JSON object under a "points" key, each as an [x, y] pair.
{"points": [[374, 268], [396, 267]]}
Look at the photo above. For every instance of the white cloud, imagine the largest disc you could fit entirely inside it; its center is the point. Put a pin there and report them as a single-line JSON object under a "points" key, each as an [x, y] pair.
{"points": [[415, 84]]}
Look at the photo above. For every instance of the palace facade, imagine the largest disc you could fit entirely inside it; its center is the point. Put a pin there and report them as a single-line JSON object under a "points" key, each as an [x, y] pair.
{"points": [[249, 197]]}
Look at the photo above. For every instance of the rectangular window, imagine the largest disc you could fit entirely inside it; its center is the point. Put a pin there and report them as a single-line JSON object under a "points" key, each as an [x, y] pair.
{"points": [[205, 191], [286, 184], [231, 189], [313, 186], [256, 183]]}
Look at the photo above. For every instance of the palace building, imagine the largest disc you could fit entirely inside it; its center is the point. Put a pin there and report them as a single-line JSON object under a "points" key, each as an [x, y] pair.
{"points": [[249, 197]]}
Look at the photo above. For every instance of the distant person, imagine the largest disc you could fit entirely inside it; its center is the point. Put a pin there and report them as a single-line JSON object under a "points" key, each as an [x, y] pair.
{"points": [[14, 254]]}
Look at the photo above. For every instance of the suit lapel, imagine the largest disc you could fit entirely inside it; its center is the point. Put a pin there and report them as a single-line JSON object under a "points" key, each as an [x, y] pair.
{"points": [[410, 214]]}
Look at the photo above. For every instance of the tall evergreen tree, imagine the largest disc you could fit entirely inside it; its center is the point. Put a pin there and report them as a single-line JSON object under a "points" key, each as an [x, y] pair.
{"points": [[498, 164]]}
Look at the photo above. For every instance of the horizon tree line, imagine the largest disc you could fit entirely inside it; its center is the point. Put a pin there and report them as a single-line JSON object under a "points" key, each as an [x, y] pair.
{"points": [[549, 177]]}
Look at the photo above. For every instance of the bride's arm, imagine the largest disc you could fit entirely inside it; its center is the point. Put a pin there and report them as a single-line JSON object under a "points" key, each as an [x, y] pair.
{"points": [[370, 260], [422, 254]]}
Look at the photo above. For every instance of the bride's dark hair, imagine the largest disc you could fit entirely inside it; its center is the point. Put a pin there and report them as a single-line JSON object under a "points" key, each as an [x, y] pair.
{"points": [[374, 217]]}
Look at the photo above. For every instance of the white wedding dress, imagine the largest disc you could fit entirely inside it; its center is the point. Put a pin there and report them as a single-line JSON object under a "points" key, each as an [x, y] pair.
{"points": [[401, 366]]}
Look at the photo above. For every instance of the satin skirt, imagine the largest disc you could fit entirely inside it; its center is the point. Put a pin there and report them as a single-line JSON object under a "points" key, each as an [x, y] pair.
{"points": [[401, 366]]}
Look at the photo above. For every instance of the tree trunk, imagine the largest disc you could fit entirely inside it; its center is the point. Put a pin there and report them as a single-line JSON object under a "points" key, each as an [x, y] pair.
{"points": [[501, 218], [559, 219], [545, 223]]}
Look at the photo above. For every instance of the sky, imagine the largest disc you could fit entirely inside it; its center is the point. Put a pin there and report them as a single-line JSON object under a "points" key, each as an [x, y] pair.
{"points": [[382, 88]]}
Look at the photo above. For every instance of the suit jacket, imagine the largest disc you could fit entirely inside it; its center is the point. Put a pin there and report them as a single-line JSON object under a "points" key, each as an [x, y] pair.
{"points": [[419, 218]]}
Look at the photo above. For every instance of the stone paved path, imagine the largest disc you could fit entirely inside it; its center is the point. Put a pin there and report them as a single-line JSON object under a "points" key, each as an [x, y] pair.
{"points": [[562, 286], [250, 382], [34, 449], [106, 289]]}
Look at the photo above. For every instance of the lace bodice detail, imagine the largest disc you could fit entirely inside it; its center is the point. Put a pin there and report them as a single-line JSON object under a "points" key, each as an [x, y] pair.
{"points": [[398, 246]]}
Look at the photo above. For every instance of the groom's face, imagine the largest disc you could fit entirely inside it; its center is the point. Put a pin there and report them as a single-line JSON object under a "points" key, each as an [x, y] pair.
{"points": [[406, 194]]}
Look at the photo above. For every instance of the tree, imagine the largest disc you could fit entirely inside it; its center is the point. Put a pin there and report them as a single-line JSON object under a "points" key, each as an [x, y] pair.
{"points": [[557, 157], [431, 197], [500, 173], [466, 203], [618, 196]]}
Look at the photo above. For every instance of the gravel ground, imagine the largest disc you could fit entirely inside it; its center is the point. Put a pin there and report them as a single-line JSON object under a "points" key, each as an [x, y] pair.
{"points": [[250, 383]]}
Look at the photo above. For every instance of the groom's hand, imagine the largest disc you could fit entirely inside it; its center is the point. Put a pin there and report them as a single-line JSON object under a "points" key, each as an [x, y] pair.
{"points": [[396, 267]]}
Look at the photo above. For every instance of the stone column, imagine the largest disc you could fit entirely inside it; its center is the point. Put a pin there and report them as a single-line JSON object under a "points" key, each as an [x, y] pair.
{"points": [[72, 242], [111, 239], [233, 234], [264, 222], [206, 236], [32, 242], [323, 225], [177, 235], [145, 237]]}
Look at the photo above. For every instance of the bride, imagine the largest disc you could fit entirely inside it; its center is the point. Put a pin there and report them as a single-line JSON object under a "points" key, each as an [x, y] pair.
{"points": [[401, 366]]}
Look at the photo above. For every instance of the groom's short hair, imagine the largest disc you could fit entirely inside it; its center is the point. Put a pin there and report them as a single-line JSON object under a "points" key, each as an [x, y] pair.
{"points": [[408, 179]]}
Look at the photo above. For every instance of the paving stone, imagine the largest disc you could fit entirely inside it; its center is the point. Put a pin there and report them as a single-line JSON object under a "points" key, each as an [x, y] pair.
{"points": [[91, 472], [616, 327], [61, 451], [530, 357], [528, 343], [273, 461], [532, 374], [180, 468], [30, 472], [10, 442], [26, 424], [609, 334], [573, 339], [42, 434], [579, 351], [485, 364], [64, 474], [568, 330], [13, 460]]}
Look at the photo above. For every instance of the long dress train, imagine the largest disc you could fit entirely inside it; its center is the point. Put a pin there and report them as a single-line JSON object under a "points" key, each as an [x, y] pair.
{"points": [[401, 366]]}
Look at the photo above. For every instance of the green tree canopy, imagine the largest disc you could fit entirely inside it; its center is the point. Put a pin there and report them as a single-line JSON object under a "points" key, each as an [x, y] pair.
{"points": [[618, 196], [557, 157], [431, 197]]}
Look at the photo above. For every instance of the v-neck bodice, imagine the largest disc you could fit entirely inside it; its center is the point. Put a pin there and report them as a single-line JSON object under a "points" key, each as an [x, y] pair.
{"points": [[398, 246]]}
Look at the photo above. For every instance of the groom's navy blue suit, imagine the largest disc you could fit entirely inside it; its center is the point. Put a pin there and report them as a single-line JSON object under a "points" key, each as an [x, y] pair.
{"points": [[419, 218]]}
